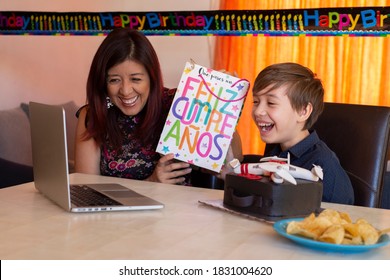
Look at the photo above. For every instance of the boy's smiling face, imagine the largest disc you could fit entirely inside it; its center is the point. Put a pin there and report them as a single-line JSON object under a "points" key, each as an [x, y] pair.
{"points": [[275, 118]]}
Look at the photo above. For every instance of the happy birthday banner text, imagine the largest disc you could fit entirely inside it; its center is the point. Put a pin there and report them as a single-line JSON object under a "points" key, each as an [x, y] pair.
{"points": [[362, 21]]}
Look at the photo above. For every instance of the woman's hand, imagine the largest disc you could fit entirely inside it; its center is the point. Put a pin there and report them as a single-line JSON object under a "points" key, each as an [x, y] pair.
{"points": [[169, 171]]}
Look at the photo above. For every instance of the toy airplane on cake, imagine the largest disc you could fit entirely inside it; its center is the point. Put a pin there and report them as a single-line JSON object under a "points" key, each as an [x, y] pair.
{"points": [[279, 169]]}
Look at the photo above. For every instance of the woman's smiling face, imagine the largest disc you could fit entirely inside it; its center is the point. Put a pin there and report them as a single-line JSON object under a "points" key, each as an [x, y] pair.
{"points": [[128, 86]]}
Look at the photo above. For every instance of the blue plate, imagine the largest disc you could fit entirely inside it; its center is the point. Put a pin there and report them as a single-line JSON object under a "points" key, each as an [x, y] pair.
{"points": [[280, 227]]}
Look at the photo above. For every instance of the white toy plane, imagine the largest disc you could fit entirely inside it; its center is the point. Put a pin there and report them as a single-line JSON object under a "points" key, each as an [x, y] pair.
{"points": [[279, 169]]}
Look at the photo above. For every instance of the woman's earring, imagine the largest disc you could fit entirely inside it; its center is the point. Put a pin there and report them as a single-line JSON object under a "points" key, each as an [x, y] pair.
{"points": [[109, 103]]}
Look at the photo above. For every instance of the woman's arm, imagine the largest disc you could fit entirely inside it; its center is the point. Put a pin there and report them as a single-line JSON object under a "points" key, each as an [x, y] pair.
{"points": [[87, 152]]}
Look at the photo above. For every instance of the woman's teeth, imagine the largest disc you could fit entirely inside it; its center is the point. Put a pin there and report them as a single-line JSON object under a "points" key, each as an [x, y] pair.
{"points": [[130, 101]]}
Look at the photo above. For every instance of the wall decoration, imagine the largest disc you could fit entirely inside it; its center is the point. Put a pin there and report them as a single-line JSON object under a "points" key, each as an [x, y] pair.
{"points": [[203, 116], [359, 21]]}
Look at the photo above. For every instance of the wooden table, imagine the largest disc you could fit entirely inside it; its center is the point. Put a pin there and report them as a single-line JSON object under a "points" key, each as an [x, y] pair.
{"points": [[32, 227]]}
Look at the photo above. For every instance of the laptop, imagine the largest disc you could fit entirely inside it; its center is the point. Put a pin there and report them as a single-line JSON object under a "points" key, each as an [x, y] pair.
{"points": [[51, 171]]}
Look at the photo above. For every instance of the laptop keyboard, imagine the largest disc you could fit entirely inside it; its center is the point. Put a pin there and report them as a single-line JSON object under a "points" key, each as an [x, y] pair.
{"points": [[83, 196]]}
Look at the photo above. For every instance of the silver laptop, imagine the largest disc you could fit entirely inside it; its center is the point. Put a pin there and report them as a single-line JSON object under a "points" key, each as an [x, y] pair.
{"points": [[50, 165]]}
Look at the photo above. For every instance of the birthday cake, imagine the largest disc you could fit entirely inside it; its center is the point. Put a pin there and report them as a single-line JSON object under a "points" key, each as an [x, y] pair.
{"points": [[261, 197]]}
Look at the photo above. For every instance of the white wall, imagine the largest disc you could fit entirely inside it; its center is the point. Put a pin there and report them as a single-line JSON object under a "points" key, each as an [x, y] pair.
{"points": [[54, 69]]}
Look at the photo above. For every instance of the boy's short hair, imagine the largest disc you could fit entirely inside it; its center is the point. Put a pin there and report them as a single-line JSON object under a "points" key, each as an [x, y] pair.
{"points": [[303, 87]]}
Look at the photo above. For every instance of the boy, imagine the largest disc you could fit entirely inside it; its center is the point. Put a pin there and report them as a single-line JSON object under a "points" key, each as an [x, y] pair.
{"points": [[287, 100]]}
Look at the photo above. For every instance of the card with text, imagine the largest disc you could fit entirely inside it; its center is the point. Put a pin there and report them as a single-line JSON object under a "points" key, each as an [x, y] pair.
{"points": [[203, 116]]}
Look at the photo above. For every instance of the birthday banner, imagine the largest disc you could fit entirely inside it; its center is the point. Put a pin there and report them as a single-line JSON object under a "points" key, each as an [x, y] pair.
{"points": [[203, 116], [359, 21]]}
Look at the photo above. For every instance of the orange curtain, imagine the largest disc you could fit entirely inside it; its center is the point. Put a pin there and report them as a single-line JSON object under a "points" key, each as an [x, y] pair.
{"points": [[353, 69]]}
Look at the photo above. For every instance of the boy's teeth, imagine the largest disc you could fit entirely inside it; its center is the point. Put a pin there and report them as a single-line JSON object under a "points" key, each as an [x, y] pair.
{"points": [[266, 126]]}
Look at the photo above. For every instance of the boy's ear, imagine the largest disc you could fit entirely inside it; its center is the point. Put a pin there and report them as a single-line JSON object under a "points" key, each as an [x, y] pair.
{"points": [[305, 113]]}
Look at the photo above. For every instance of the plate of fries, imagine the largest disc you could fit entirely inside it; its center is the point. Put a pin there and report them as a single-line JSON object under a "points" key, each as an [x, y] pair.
{"points": [[333, 231]]}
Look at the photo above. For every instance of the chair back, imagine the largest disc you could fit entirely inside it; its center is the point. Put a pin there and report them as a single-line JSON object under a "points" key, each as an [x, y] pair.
{"points": [[359, 135]]}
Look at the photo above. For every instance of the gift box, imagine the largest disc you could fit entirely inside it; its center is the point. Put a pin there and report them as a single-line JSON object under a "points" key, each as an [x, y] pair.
{"points": [[265, 199]]}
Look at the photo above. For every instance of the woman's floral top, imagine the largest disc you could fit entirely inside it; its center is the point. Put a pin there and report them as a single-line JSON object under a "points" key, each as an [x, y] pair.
{"points": [[134, 161]]}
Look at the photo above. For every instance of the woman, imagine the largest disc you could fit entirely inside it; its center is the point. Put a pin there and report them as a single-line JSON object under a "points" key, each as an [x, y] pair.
{"points": [[118, 130]]}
